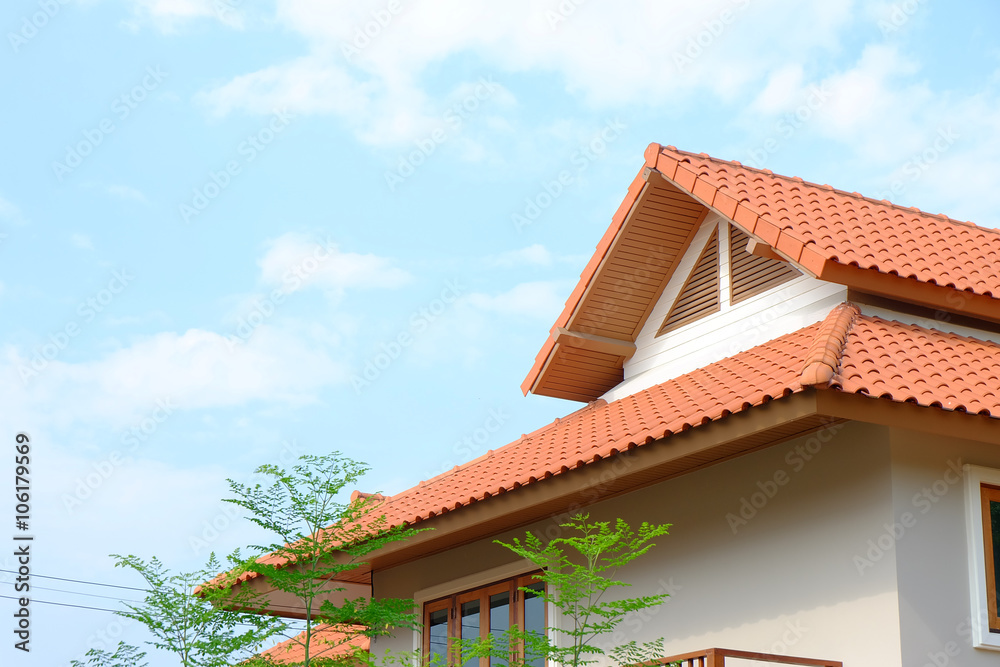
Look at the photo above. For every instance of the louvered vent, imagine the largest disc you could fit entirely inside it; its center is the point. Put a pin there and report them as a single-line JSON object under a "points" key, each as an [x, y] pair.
{"points": [[750, 274], [700, 295]]}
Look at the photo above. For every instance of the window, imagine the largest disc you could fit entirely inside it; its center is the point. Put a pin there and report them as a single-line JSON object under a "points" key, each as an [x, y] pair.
{"points": [[982, 503], [991, 544], [481, 612]]}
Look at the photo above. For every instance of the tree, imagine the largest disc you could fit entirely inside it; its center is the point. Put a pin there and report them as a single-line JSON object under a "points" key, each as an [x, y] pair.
{"points": [[578, 569], [125, 655], [319, 538], [196, 627]]}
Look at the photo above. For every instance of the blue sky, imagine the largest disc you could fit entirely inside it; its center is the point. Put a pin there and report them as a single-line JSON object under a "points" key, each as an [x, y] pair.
{"points": [[233, 230]]}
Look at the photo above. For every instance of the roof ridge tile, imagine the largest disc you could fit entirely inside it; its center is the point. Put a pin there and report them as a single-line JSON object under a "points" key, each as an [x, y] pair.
{"points": [[823, 357]]}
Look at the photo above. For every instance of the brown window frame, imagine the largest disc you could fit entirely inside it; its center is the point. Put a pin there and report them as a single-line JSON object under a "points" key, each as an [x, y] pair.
{"points": [[453, 604], [990, 493]]}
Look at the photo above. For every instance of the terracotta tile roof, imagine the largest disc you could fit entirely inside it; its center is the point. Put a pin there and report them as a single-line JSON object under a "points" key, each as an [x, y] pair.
{"points": [[847, 351], [812, 223], [325, 643], [839, 236], [907, 363]]}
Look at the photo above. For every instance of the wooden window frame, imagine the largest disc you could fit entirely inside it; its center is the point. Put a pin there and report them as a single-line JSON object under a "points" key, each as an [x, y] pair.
{"points": [[981, 486], [989, 493], [453, 602]]}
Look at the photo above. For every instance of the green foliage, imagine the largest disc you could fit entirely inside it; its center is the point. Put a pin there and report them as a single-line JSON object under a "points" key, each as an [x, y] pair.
{"points": [[125, 655], [318, 538], [578, 569], [191, 626]]}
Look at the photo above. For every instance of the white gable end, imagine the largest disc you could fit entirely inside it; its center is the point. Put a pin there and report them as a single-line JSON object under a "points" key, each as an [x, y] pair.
{"points": [[732, 329]]}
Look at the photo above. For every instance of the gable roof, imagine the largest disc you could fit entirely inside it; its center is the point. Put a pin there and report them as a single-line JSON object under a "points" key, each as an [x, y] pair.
{"points": [[848, 352], [834, 235]]}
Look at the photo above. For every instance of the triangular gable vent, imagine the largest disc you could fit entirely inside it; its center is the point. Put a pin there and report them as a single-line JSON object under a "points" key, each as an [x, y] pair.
{"points": [[750, 274], [700, 295]]}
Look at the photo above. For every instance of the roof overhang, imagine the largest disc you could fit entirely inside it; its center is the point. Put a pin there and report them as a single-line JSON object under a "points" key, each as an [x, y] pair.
{"points": [[653, 227], [802, 413], [587, 347]]}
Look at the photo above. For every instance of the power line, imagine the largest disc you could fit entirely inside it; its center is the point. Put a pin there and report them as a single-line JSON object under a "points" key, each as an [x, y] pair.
{"points": [[61, 604], [93, 595], [111, 611], [89, 583]]}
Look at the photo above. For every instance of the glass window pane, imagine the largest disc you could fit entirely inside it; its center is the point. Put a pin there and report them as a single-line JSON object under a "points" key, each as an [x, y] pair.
{"points": [[534, 618], [437, 626], [470, 626], [499, 621], [995, 533]]}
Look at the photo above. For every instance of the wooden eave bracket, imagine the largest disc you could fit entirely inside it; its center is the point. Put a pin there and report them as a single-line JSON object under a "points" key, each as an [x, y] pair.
{"points": [[594, 343], [761, 249]]}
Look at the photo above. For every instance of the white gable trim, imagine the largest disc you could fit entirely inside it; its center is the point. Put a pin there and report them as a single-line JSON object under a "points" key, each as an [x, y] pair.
{"points": [[733, 329]]}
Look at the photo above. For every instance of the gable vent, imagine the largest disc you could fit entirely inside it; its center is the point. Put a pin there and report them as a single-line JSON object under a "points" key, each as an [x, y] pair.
{"points": [[751, 274], [700, 295]]}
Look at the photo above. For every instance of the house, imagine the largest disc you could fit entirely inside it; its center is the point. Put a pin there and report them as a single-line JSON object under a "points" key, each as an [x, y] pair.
{"points": [[805, 382]]}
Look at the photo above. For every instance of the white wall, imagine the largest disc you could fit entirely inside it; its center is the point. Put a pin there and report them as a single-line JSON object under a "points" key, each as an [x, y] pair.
{"points": [[783, 582], [763, 317], [932, 555]]}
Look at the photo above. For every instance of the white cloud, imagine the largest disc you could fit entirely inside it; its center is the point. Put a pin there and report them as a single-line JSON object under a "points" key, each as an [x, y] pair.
{"points": [[782, 92], [82, 241], [126, 192], [371, 74], [10, 213], [194, 370], [168, 15], [533, 255], [937, 148], [541, 300], [294, 261]]}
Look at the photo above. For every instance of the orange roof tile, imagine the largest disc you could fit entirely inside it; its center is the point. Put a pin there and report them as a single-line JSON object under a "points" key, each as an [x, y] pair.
{"points": [[858, 354], [810, 223], [836, 235], [847, 351], [324, 643], [908, 363]]}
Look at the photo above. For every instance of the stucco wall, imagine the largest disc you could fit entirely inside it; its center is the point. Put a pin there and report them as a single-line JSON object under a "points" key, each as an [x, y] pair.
{"points": [[928, 542], [780, 578]]}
